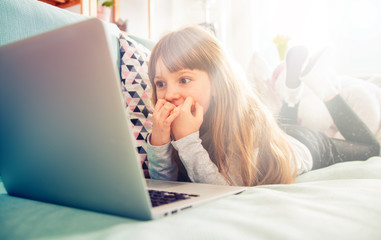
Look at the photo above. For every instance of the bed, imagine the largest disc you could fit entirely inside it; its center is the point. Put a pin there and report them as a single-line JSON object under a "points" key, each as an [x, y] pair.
{"points": [[342, 201]]}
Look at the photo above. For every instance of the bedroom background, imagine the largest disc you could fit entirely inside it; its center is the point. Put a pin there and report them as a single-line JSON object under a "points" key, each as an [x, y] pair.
{"points": [[247, 26], [253, 31]]}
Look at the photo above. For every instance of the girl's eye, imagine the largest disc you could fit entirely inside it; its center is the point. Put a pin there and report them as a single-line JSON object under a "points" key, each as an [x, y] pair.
{"points": [[160, 84], [185, 80]]}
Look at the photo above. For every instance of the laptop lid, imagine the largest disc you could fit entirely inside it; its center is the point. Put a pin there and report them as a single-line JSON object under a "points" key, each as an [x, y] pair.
{"points": [[57, 120]]}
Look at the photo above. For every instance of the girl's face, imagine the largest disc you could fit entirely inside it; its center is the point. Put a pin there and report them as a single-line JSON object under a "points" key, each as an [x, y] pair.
{"points": [[177, 86]]}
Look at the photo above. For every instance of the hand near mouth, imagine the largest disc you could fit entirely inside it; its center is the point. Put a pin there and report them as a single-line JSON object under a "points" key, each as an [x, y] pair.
{"points": [[189, 119], [163, 116]]}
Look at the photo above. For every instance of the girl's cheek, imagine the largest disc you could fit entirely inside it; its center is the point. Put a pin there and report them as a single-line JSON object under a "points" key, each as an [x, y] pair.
{"points": [[159, 95]]}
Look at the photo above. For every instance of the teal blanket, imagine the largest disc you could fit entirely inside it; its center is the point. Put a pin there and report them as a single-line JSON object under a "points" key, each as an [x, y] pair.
{"points": [[342, 201]]}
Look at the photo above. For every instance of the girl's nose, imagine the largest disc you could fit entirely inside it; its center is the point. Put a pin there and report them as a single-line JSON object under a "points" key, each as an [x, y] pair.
{"points": [[172, 93]]}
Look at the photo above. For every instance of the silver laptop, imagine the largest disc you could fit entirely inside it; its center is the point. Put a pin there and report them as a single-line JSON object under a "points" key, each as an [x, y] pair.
{"points": [[65, 135]]}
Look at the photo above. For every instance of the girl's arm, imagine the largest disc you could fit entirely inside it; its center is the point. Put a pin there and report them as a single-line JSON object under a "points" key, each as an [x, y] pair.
{"points": [[160, 165], [196, 161]]}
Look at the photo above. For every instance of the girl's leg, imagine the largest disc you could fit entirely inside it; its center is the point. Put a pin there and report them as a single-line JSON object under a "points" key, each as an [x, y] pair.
{"points": [[319, 145], [295, 60], [326, 151], [288, 114], [360, 143]]}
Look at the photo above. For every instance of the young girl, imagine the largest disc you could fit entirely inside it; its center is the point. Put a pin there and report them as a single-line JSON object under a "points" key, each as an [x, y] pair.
{"points": [[210, 127]]}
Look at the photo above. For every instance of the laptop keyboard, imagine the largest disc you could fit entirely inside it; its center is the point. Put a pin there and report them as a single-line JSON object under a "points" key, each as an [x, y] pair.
{"points": [[159, 198]]}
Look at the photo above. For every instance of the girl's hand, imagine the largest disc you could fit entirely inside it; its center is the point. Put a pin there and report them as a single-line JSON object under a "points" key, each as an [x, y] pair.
{"points": [[189, 120], [163, 116]]}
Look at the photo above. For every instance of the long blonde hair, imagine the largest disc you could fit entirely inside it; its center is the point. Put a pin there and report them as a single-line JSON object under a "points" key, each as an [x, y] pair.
{"points": [[237, 126]]}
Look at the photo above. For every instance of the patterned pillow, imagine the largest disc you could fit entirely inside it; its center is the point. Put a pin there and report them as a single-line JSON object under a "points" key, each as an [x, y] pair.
{"points": [[136, 89]]}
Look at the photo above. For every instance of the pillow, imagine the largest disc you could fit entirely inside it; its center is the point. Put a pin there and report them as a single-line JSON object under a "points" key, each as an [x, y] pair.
{"points": [[136, 89], [24, 18]]}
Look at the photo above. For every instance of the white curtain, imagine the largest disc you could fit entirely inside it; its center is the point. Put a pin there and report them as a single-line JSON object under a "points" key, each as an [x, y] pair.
{"points": [[352, 27]]}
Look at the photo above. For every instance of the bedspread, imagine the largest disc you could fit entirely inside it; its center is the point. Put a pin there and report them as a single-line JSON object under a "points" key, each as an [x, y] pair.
{"points": [[342, 201]]}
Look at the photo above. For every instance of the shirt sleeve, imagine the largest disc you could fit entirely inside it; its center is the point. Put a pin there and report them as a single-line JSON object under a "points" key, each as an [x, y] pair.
{"points": [[197, 162], [161, 166]]}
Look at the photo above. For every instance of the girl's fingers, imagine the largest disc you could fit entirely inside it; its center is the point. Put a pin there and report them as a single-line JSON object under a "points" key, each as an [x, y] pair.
{"points": [[166, 110], [163, 105], [187, 105], [159, 104], [163, 110], [175, 113], [199, 111]]}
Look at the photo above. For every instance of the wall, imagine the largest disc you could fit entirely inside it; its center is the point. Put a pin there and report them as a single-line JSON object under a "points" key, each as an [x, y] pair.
{"points": [[136, 14], [245, 26]]}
